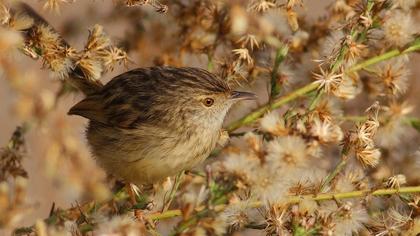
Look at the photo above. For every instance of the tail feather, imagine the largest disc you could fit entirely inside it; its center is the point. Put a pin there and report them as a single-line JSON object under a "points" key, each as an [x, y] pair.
{"points": [[91, 108]]}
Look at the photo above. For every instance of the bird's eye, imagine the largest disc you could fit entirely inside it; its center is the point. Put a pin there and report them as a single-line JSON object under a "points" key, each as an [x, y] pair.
{"points": [[208, 102]]}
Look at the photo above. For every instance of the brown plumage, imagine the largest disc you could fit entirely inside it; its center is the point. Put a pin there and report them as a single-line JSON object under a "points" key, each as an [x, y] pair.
{"points": [[150, 123]]}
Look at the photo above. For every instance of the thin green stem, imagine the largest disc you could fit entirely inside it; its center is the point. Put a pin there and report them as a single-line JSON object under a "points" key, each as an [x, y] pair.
{"points": [[172, 193], [415, 46], [210, 62], [315, 100], [292, 200], [353, 118], [360, 193], [414, 122], [333, 174], [319, 197], [165, 215], [375, 60], [281, 54]]}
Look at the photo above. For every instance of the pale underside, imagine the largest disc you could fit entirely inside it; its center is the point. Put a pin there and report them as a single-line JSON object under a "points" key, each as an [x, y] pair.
{"points": [[147, 154]]}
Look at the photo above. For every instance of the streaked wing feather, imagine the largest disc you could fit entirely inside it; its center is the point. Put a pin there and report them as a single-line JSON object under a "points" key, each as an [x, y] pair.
{"points": [[122, 102]]}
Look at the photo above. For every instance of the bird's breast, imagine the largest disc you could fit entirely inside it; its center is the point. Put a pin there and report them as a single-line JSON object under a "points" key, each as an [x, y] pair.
{"points": [[194, 147]]}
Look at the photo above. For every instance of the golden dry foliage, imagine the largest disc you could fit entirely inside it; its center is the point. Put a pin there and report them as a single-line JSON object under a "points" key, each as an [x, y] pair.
{"points": [[331, 147]]}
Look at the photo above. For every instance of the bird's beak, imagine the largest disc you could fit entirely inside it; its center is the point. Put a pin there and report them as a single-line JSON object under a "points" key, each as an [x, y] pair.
{"points": [[237, 95]]}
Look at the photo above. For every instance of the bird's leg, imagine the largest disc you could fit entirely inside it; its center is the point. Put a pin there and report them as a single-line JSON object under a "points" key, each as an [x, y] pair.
{"points": [[173, 190], [133, 191]]}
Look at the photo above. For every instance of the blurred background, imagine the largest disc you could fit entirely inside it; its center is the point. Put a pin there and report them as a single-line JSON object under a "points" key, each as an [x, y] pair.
{"points": [[73, 22]]}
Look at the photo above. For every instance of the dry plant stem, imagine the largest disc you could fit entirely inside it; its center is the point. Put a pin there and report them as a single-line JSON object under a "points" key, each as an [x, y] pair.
{"points": [[172, 193], [297, 199], [276, 103]]}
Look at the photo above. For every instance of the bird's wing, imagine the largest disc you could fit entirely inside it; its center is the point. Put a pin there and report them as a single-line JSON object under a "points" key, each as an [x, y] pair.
{"points": [[105, 111], [123, 102]]}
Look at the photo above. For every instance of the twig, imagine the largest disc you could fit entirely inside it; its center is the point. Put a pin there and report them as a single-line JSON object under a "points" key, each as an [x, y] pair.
{"points": [[297, 199]]}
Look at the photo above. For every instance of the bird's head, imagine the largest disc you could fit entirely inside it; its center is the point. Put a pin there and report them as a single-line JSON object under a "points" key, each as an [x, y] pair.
{"points": [[203, 97]]}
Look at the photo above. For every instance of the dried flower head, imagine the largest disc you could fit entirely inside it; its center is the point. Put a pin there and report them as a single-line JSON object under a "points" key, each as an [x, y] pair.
{"points": [[326, 132], [97, 40], [349, 88], [276, 218], [91, 67], [390, 222], [5, 14], [159, 7], [274, 124], [368, 156], [394, 75], [399, 28], [235, 215], [287, 152], [55, 4], [261, 5], [363, 142], [243, 54], [54, 50], [249, 40], [395, 181], [328, 81], [349, 218]]}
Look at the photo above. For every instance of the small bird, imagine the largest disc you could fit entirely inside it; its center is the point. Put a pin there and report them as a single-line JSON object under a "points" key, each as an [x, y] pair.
{"points": [[151, 123]]}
